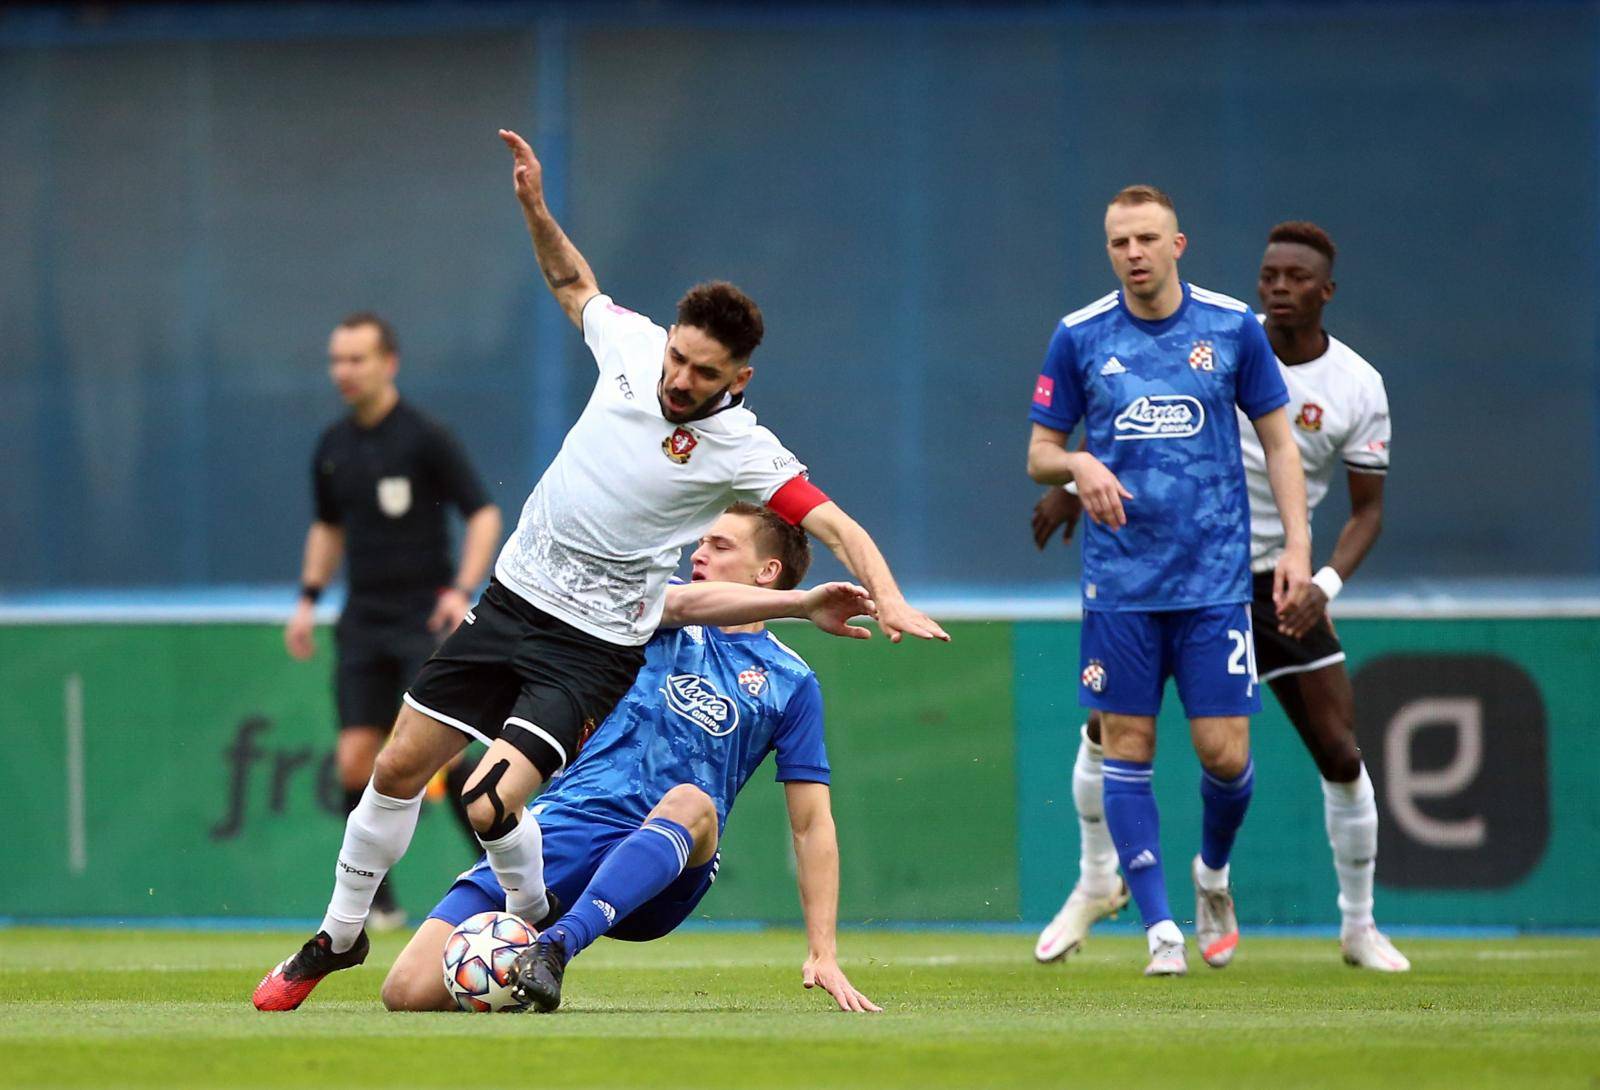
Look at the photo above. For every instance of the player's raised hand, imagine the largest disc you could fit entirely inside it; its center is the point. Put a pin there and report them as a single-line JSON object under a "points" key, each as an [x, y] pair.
{"points": [[1100, 492], [824, 973], [1057, 507], [900, 618], [527, 174], [830, 606]]}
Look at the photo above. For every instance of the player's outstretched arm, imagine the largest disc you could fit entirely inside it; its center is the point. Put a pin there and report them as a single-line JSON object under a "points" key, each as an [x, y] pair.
{"points": [[829, 606], [1293, 578], [855, 548], [565, 271], [816, 857]]}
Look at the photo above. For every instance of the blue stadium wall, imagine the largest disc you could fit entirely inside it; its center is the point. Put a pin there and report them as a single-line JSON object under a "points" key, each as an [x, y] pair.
{"points": [[191, 196]]}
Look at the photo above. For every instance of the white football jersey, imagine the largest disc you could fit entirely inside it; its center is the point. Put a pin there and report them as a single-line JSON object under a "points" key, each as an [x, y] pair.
{"points": [[1339, 414], [602, 531]]}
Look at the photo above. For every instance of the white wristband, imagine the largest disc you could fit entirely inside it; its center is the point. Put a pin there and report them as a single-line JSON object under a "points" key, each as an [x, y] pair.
{"points": [[1071, 487], [1330, 583]]}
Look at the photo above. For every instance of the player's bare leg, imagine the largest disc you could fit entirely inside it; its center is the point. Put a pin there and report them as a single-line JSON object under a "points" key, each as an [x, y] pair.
{"points": [[1099, 891], [679, 834], [376, 835], [495, 797], [415, 982], [1223, 745], [1135, 825], [1321, 705]]}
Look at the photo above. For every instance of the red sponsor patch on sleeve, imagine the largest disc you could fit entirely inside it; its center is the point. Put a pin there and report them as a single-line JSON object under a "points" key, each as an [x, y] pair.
{"points": [[1044, 391], [796, 499]]}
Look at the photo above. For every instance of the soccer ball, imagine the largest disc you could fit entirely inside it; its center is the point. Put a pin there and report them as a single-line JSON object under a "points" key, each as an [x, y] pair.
{"points": [[478, 957]]}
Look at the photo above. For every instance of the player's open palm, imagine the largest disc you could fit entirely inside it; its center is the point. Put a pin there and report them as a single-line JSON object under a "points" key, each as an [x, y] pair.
{"points": [[527, 174], [825, 973], [830, 606]]}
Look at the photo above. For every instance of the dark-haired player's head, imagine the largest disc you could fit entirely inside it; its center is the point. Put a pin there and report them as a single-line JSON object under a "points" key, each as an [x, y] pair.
{"points": [[363, 357], [1143, 240], [752, 545], [1296, 278], [708, 350]]}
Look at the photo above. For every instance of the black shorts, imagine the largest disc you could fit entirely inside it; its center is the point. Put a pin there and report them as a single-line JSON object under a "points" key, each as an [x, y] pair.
{"points": [[1276, 654], [380, 644], [513, 671]]}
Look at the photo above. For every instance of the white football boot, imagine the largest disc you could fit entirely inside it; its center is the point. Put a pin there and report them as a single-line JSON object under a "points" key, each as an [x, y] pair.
{"points": [[1065, 934], [1168, 959], [1216, 927], [1368, 948]]}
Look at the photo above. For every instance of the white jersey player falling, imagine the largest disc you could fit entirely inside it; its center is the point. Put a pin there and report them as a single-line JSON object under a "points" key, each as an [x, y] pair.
{"points": [[1340, 413], [601, 533]]}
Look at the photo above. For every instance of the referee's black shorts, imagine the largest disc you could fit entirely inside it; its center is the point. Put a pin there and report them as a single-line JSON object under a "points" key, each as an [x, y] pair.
{"points": [[380, 642], [1276, 654], [512, 671]]}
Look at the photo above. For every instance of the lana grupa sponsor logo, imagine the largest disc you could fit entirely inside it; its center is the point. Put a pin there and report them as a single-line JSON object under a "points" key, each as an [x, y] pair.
{"points": [[1161, 416], [698, 701]]}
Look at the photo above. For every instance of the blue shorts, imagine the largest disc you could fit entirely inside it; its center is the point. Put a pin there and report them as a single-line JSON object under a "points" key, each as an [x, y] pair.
{"points": [[572, 853], [1126, 658]]}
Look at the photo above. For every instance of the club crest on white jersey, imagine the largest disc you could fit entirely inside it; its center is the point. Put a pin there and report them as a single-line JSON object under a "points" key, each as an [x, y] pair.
{"points": [[1161, 416], [698, 701]]}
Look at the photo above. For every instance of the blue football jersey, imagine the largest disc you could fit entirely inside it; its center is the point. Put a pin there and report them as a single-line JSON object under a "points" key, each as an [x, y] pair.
{"points": [[1157, 402], [706, 709]]}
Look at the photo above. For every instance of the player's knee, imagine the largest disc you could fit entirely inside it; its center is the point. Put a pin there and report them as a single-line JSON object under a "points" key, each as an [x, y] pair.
{"points": [[403, 991], [1224, 754], [491, 812], [1338, 757], [687, 805], [396, 773]]}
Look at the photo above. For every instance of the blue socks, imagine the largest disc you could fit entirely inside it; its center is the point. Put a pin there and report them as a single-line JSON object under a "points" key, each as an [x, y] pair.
{"points": [[1135, 828], [1224, 803], [636, 870]]}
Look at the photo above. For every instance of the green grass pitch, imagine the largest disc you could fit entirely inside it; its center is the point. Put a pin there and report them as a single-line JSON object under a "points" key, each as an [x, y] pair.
{"points": [[725, 1009]]}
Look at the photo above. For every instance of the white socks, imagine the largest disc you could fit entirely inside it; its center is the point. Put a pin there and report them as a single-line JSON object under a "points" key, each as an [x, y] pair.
{"points": [[1165, 931], [376, 835], [1212, 881], [518, 862], [1097, 856], [1351, 814]]}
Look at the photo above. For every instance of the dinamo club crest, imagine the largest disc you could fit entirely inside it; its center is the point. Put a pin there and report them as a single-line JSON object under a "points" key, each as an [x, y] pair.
{"points": [[753, 680], [1094, 676], [1202, 357], [1310, 418], [679, 445]]}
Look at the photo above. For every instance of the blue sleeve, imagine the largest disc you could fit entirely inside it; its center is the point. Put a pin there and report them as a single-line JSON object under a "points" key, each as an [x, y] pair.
{"points": [[802, 754], [1259, 384], [1057, 392]]}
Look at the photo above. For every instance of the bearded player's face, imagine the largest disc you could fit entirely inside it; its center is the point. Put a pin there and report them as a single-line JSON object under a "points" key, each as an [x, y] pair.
{"points": [[696, 371]]}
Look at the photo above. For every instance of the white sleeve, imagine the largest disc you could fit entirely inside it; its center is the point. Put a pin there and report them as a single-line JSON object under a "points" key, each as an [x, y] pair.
{"points": [[765, 466], [608, 329], [1367, 448]]}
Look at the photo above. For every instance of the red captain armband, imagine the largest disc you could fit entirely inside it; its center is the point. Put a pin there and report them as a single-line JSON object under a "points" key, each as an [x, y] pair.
{"points": [[796, 499]]}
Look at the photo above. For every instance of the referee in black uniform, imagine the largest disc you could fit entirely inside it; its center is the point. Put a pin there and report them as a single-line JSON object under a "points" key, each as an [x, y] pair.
{"points": [[382, 477]]}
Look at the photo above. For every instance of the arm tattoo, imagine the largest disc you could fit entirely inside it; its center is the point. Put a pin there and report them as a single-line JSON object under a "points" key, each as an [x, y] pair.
{"points": [[557, 283]]}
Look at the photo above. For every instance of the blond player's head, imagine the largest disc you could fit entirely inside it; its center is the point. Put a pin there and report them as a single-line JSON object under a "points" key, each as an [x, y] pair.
{"points": [[1143, 241]]}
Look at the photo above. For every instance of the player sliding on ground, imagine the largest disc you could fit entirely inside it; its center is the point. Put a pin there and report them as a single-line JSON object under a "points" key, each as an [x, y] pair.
{"points": [[1341, 414], [1154, 372], [631, 829], [663, 445]]}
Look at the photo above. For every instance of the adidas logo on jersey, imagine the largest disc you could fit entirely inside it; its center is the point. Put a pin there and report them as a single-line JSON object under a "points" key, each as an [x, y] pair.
{"points": [[1113, 367], [1146, 858]]}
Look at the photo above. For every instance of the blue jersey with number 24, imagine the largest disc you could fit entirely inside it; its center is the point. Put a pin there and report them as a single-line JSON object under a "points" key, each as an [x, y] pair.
{"points": [[1157, 402]]}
